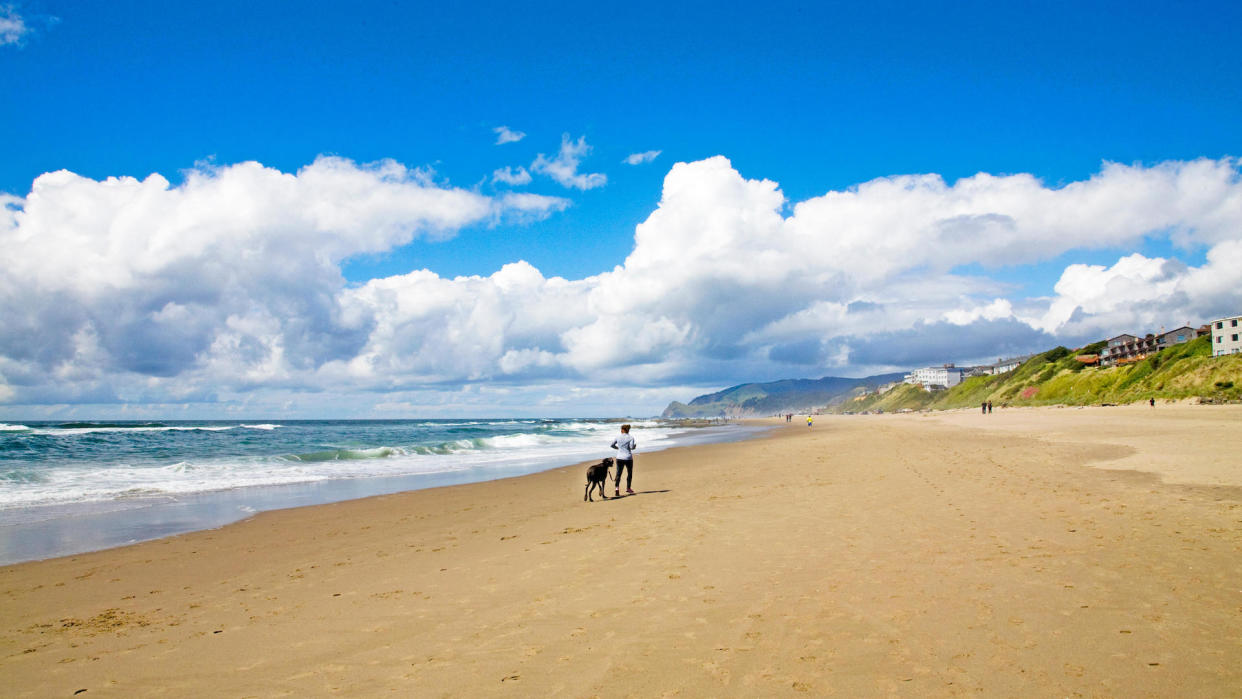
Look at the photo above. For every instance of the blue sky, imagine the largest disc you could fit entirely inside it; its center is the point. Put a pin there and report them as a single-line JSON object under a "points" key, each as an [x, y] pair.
{"points": [[816, 98]]}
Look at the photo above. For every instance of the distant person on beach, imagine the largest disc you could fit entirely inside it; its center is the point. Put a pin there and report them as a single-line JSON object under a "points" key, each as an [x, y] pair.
{"points": [[808, 420], [625, 446], [983, 407], [989, 407], [1152, 401]]}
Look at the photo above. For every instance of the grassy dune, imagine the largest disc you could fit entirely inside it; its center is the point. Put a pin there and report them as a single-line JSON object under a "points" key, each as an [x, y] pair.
{"points": [[1057, 378]]}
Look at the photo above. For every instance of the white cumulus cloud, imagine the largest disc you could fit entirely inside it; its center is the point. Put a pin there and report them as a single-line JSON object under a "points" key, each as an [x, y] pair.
{"points": [[232, 276], [509, 176], [524, 207], [640, 158], [564, 167], [999, 308], [504, 135], [229, 285], [13, 27]]}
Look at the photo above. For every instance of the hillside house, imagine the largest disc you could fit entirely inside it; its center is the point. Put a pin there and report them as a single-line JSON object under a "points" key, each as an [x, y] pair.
{"points": [[1226, 334], [1000, 367], [1176, 336], [1124, 349], [1123, 346]]}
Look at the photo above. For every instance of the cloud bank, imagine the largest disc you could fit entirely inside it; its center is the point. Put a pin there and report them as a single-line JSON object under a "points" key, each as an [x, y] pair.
{"points": [[228, 287]]}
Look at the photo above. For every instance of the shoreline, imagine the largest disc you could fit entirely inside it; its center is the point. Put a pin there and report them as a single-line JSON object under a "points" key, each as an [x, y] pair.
{"points": [[64, 529], [929, 555]]}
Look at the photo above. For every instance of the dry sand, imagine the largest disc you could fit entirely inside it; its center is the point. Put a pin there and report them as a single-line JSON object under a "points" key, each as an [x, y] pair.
{"points": [[907, 554]]}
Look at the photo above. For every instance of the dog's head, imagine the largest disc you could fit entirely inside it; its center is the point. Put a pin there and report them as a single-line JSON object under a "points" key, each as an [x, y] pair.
{"points": [[607, 461]]}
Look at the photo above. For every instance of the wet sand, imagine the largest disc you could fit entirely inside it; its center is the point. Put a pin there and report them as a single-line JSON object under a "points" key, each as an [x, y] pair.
{"points": [[1038, 552]]}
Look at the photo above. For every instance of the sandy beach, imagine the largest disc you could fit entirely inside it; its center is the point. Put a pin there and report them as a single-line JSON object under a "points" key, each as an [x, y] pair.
{"points": [[1033, 552]]}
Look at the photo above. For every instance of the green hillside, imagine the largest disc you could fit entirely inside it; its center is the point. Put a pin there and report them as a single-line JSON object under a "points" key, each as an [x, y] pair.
{"points": [[1057, 378]]}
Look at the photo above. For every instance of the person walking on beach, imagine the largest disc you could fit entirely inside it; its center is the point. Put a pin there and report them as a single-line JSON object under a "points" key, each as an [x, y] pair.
{"points": [[625, 446], [808, 421]]}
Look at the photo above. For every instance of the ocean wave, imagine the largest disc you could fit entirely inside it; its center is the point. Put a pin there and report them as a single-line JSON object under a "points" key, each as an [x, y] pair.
{"points": [[87, 485], [4, 427], [520, 440], [68, 471], [73, 430], [262, 427], [107, 425], [21, 476], [136, 493], [596, 427], [348, 454]]}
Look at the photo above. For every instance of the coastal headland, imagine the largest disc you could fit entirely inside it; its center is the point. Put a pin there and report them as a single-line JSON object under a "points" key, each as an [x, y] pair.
{"points": [[1030, 552]]}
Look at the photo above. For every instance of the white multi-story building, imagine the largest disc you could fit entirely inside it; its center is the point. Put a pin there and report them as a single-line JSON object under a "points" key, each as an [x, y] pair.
{"points": [[1226, 336], [946, 375], [1001, 366]]}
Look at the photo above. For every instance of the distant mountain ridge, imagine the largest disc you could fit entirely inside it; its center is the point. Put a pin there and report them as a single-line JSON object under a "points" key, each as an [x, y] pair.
{"points": [[787, 395]]}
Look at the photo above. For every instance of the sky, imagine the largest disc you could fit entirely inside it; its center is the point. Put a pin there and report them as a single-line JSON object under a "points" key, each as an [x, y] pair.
{"points": [[417, 210]]}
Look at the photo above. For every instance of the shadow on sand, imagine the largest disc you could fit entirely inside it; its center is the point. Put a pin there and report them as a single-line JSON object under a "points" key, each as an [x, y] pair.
{"points": [[635, 494]]}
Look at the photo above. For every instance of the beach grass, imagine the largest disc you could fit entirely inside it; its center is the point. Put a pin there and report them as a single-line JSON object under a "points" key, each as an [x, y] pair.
{"points": [[1056, 377]]}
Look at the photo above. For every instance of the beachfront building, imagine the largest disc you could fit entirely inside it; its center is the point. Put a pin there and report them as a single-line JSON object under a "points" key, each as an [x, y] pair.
{"points": [[1004, 366], [943, 376], [1226, 334], [1122, 346], [1124, 349], [1001, 366], [1175, 337]]}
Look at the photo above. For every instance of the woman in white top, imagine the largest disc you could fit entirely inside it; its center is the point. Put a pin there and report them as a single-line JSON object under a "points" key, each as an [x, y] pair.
{"points": [[625, 446]]}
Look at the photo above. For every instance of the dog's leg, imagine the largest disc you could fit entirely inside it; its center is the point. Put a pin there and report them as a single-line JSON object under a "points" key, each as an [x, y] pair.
{"points": [[586, 493]]}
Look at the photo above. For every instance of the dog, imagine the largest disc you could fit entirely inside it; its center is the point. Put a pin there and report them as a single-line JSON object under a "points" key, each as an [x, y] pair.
{"points": [[597, 475]]}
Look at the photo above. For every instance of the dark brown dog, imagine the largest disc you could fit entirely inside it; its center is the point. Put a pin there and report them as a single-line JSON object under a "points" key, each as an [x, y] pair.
{"points": [[597, 475]]}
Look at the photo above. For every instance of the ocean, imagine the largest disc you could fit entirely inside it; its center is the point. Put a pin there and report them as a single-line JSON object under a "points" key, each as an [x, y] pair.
{"points": [[71, 487]]}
